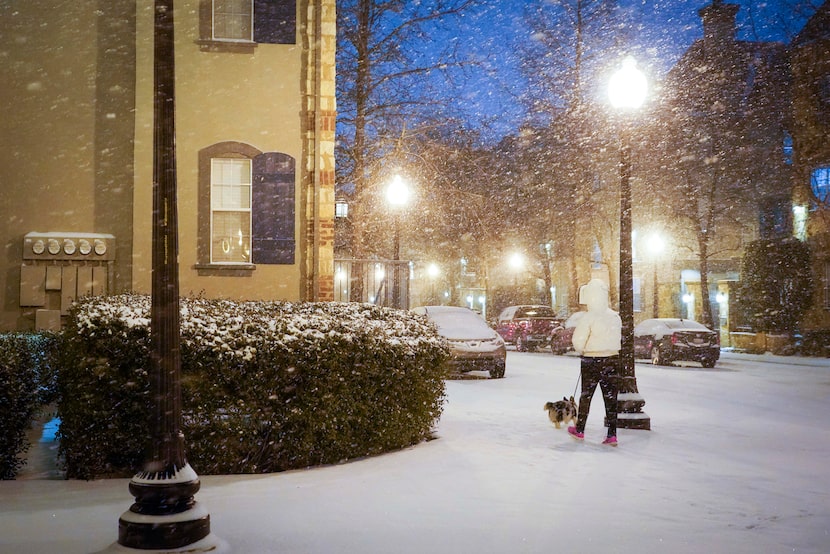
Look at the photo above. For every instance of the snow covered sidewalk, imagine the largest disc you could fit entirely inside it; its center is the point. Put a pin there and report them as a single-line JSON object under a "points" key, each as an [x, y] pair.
{"points": [[735, 462]]}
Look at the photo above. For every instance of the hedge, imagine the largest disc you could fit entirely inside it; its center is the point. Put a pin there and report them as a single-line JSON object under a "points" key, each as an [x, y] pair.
{"points": [[26, 383], [266, 386]]}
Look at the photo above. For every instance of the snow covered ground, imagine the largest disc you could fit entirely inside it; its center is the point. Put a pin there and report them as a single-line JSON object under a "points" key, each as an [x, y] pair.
{"points": [[736, 462]]}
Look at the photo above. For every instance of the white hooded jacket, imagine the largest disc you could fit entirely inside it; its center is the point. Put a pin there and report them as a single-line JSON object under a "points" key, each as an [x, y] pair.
{"points": [[598, 333]]}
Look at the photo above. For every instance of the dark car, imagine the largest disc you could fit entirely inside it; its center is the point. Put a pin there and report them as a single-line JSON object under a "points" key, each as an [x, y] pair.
{"points": [[474, 345], [527, 326], [561, 336], [667, 340]]}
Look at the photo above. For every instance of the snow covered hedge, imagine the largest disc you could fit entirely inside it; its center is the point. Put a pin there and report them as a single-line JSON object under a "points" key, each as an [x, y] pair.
{"points": [[266, 386], [25, 385]]}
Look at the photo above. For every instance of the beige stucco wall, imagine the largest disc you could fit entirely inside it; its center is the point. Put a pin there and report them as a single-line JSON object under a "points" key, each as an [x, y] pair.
{"points": [[65, 132], [251, 97]]}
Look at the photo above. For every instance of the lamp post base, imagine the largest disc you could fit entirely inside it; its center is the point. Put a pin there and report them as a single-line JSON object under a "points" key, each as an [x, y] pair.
{"points": [[210, 543], [630, 413]]}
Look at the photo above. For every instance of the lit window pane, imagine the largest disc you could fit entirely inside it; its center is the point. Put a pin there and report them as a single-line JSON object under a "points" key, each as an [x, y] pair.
{"points": [[820, 183], [232, 19], [231, 240], [230, 200], [230, 184]]}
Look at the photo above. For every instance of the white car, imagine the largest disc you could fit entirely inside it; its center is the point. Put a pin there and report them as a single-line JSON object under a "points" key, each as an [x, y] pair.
{"points": [[474, 345]]}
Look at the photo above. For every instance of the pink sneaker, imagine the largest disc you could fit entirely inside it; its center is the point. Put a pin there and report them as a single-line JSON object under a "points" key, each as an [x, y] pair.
{"points": [[610, 441], [576, 434]]}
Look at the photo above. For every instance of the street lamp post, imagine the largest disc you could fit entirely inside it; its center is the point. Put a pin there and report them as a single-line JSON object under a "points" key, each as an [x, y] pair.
{"points": [[397, 194], [165, 515], [627, 93], [655, 247]]}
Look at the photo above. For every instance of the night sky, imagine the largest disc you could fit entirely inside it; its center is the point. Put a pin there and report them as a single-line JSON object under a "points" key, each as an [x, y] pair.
{"points": [[666, 29]]}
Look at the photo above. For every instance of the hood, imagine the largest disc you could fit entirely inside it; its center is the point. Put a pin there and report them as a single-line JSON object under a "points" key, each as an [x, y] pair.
{"points": [[594, 295]]}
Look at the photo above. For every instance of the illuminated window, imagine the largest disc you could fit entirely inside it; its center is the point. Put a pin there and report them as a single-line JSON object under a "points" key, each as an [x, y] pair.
{"points": [[800, 222], [820, 184], [230, 208], [233, 20], [788, 149]]}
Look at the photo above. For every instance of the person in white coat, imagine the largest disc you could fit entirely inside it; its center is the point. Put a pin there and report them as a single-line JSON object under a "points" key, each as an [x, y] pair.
{"points": [[597, 337]]}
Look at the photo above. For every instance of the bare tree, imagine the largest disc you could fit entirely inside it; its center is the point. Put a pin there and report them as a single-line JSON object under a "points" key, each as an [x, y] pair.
{"points": [[572, 42], [390, 56]]}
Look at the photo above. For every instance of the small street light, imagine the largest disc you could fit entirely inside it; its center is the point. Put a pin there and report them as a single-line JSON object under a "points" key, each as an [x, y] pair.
{"points": [[627, 92], [433, 271], [398, 194]]}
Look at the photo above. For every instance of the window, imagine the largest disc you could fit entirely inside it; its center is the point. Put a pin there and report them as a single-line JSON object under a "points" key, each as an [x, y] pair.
{"points": [[248, 22], [230, 210], [788, 149], [246, 208], [820, 184], [233, 20]]}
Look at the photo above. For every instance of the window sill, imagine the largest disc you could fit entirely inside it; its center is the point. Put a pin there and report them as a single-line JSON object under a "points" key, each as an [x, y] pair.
{"points": [[233, 46], [225, 270]]}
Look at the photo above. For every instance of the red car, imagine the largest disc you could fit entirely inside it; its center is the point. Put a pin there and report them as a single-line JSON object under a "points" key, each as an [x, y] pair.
{"points": [[528, 327], [561, 336]]}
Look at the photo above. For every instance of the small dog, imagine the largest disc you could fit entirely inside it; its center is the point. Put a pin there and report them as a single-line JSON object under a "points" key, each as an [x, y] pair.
{"points": [[561, 411]]}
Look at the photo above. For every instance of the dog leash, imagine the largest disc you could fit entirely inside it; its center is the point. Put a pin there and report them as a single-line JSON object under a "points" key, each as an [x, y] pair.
{"points": [[576, 387]]}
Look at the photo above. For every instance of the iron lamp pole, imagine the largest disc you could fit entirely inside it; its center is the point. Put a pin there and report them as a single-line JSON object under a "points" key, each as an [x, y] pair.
{"points": [[397, 195], [627, 92], [165, 515]]}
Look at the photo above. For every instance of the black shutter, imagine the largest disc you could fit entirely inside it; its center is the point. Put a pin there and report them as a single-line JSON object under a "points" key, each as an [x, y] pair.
{"points": [[275, 21], [272, 218]]}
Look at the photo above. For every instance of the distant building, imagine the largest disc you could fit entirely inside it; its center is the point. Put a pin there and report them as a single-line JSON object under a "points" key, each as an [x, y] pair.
{"points": [[255, 121], [722, 161], [810, 61]]}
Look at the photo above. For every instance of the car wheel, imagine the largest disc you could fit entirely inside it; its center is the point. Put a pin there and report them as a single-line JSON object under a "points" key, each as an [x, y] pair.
{"points": [[557, 350], [497, 371], [657, 356], [521, 343], [708, 362]]}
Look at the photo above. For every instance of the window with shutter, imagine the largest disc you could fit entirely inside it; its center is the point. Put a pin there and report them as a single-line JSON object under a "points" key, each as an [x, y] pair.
{"points": [[246, 208], [233, 24]]}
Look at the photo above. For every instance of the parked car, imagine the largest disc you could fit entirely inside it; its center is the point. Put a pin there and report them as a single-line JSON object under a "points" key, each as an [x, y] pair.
{"points": [[528, 327], [667, 340], [561, 336], [474, 344]]}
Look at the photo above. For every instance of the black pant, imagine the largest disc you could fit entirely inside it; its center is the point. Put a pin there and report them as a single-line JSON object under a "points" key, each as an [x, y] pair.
{"points": [[602, 372]]}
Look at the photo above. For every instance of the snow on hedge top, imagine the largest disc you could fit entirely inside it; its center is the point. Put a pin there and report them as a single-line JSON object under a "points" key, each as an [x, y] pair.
{"points": [[239, 328]]}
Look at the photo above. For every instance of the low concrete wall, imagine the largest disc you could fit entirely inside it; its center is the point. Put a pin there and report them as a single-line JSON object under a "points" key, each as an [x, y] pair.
{"points": [[759, 342]]}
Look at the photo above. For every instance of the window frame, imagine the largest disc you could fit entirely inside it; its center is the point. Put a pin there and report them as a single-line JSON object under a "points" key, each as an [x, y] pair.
{"points": [[248, 40], [214, 210], [823, 187], [274, 226]]}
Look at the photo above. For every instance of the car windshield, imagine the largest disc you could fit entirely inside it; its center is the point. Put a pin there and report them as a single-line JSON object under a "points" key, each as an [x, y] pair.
{"points": [[459, 323], [535, 311]]}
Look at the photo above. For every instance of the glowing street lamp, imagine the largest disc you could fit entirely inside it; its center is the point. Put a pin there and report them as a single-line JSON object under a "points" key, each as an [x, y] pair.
{"points": [[398, 195], [516, 262], [433, 271], [627, 92]]}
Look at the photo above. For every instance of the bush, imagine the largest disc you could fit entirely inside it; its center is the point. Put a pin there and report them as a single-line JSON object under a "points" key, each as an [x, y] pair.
{"points": [[266, 386], [776, 284], [26, 383]]}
